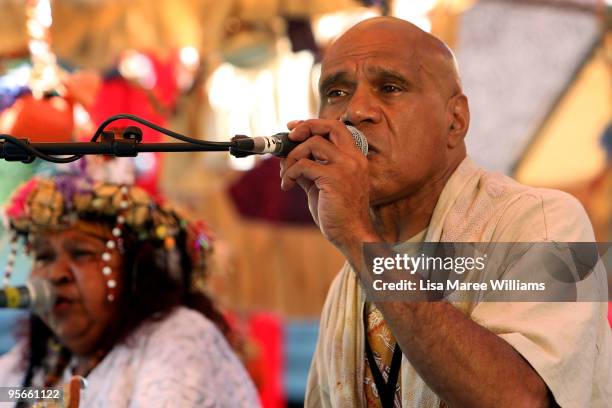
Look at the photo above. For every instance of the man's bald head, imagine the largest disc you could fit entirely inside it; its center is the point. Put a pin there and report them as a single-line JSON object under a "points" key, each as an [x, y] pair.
{"points": [[431, 56], [399, 85]]}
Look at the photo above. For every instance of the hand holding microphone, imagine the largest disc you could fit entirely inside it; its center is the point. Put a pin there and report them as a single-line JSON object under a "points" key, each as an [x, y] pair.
{"points": [[334, 175]]}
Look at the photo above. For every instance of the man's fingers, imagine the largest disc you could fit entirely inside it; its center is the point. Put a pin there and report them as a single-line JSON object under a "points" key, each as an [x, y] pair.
{"points": [[334, 130], [292, 124], [303, 168], [329, 159], [316, 148], [304, 183]]}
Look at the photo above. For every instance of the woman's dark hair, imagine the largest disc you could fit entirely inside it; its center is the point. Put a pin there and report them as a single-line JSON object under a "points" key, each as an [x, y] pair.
{"points": [[153, 288]]}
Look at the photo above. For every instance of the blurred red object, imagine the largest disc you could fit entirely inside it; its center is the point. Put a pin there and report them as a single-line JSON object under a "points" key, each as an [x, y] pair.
{"points": [[259, 342], [257, 195], [119, 95], [49, 119], [266, 330]]}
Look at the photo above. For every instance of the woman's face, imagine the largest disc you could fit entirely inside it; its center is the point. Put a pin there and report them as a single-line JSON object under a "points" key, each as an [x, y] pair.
{"points": [[72, 261]]}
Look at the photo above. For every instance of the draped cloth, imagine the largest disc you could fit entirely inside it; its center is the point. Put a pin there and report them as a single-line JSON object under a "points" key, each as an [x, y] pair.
{"points": [[568, 344]]}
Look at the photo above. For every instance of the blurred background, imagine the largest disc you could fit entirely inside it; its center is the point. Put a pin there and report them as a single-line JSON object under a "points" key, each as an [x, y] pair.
{"points": [[536, 72]]}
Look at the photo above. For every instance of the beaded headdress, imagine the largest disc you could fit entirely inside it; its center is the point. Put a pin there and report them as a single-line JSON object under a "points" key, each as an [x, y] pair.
{"points": [[51, 203]]}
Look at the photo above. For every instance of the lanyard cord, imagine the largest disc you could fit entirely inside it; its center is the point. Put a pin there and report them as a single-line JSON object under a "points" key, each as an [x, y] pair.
{"points": [[386, 391]]}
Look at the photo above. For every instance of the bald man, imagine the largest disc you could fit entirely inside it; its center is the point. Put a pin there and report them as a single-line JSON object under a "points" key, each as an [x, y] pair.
{"points": [[400, 86]]}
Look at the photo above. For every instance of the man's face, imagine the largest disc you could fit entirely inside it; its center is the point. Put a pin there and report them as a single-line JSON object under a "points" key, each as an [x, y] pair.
{"points": [[378, 82]]}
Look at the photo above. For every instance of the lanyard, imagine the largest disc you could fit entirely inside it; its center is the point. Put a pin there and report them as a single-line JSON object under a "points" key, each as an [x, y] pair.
{"points": [[386, 391]]}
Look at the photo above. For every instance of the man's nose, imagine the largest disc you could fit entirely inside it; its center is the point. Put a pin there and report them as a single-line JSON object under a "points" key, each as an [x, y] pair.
{"points": [[362, 108]]}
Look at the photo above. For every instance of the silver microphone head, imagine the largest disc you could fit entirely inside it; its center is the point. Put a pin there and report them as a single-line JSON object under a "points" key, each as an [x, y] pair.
{"points": [[360, 139], [42, 295]]}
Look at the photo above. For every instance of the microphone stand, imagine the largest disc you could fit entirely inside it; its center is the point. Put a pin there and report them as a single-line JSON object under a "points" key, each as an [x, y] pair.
{"points": [[128, 145]]}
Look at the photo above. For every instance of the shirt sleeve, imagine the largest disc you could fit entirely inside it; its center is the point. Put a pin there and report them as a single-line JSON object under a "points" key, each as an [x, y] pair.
{"points": [[188, 363], [567, 343]]}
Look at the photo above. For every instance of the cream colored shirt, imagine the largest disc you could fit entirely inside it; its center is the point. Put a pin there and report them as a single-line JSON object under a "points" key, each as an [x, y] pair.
{"points": [[568, 344]]}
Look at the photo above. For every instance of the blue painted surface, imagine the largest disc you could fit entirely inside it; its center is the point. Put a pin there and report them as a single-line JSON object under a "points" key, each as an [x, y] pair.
{"points": [[300, 339], [8, 318]]}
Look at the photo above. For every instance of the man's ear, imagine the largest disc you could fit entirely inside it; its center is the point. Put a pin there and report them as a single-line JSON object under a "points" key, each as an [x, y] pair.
{"points": [[458, 120]]}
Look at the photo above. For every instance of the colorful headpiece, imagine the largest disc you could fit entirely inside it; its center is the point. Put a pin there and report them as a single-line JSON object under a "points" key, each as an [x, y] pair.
{"points": [[43, 204]]}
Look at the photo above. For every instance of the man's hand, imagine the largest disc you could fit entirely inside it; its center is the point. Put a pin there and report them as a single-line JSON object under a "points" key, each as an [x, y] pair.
{"points": [[334, 174]]}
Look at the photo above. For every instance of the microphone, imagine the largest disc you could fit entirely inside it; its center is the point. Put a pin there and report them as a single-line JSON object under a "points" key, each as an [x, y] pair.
{"points": [[38, 295], [280, 145]]}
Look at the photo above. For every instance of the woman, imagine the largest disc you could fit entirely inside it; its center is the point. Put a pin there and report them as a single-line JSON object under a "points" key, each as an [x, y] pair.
{"points": [[129, 315]]}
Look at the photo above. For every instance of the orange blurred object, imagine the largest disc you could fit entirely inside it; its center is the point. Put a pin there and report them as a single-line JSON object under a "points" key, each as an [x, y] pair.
{"points": [[49, 119], [83, 87]]}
